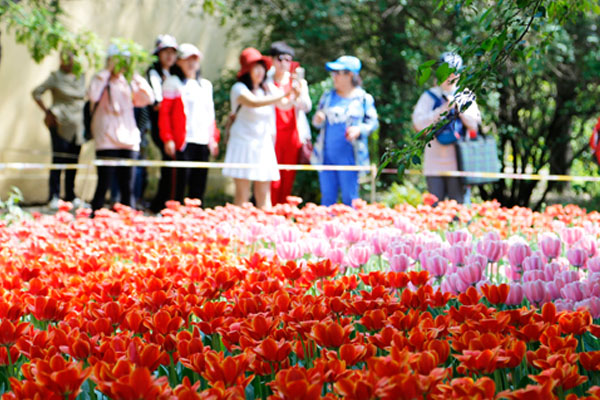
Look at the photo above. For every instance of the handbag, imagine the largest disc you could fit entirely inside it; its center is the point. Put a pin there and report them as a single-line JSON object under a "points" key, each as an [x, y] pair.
{"points": [[305, 153], [478, 155], [230, 121], [88, 114]]}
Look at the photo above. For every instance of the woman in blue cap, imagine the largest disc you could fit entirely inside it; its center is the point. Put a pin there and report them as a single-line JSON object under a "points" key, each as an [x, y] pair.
{"points": [[346, 117]]}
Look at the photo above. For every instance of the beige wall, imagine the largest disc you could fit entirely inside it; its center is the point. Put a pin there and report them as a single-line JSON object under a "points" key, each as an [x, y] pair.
{"points": [[23, 136]]}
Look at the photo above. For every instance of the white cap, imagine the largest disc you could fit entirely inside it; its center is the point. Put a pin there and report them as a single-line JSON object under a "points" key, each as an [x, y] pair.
{"points": [[186, 50], [165, 42]]}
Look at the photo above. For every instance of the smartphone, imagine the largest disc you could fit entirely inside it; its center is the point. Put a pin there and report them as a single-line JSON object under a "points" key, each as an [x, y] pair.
{"points": [[299, 73]]}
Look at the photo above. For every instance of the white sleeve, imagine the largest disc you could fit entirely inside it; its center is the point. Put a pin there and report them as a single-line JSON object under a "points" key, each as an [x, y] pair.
{"points": [[424, 115], [156, 84], [236, 91]]}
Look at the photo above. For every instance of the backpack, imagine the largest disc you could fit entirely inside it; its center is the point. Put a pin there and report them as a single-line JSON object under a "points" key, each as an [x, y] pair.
{"points": [[594, 141], [453, 129], [88, 114]]}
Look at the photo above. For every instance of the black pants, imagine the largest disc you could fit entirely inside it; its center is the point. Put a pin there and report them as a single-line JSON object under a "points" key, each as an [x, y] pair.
{"points": [[166, 182], [442, 187], [63, 152], [193, 178], [124, 176]]}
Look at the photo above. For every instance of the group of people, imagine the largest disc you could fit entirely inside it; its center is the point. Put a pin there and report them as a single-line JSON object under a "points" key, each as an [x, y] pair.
{"points": [[267, 126]]}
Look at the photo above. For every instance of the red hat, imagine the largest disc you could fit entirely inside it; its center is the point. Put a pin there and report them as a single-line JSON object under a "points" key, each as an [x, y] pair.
{"points": [[249, 57]]}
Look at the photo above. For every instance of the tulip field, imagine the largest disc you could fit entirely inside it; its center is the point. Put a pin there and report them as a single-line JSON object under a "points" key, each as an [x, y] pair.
{"points": [[451, 302]]}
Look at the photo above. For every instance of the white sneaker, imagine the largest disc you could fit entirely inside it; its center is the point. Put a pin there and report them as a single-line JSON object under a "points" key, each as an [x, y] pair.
{"points": [[78, 203], [53, 204]]}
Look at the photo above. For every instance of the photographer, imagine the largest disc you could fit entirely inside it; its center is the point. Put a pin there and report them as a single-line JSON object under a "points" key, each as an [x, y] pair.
{"points": [[460, 111]]}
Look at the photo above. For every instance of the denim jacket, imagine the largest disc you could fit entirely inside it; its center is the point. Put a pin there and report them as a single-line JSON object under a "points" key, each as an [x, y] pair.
{"points": [[368, 124]]}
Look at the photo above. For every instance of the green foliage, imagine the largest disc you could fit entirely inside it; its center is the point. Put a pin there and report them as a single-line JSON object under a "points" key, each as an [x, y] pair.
{"points": [[38, 27], [131, 58], [10, 211], [532, 63], [406, 193]]}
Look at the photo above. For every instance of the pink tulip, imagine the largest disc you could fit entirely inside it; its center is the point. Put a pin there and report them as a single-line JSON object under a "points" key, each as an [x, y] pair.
{"points": [[534, 275], [358, 255], [436, 265], [571, 235], [553, 290], [380, 241], [515, 295], [461, 236], [332, 229], [551, 270], [593, 264], [564, 305], [353, 233], [572, 291], [576, 256], [399, 262], [288, 251], [491, 249], [256, 230], [533, 263], [588, 243], [336, 256], [417, 250], [536, 292], [405, 225], [492, 235], [517, 253], [550, 246], [457, 254], [569, 276], [320, 248], [476, 259], [470, 274], [398, 248], [592, 305], [514, 273], [456, 284], [288, 234]]}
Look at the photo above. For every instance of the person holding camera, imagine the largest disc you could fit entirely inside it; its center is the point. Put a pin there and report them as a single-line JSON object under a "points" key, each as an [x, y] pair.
{"points": [[113, 124], [291, 122], [459, 114]]}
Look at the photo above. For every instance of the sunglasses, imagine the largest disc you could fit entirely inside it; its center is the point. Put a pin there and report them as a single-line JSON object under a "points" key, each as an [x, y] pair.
{"points": [[283, 57], [343, 72]]}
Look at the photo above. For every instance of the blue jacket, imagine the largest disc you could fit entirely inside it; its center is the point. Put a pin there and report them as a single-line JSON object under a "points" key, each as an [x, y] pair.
{"points": [[368, 124]]}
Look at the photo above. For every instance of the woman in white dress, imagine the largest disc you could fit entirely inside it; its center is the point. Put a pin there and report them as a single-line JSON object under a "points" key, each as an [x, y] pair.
{"points": [[253, 131]]}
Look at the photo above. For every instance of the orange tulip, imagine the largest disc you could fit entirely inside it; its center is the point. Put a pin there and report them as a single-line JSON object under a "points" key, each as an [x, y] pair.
{"points": [[530, 392], [466, 389], [271, 351], [496, 294], [590, 360], [576, 322], [57, 375], [228, 370], [355, 387], [330, 334], [10, 333], [296, 383]]}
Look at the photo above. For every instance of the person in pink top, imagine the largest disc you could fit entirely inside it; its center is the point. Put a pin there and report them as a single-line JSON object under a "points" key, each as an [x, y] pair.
{"points": [[113, 125]]}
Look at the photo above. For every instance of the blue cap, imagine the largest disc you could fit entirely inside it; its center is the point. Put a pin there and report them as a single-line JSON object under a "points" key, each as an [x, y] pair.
{"points": [[348, 63], [453, 60]]}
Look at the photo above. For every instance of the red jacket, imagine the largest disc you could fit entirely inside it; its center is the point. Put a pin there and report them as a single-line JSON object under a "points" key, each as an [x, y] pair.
{"points": [[171, 115]]}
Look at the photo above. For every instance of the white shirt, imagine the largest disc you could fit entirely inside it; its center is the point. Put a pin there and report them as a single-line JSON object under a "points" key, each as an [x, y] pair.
{"points": [[251, 123], [197, 98]]}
